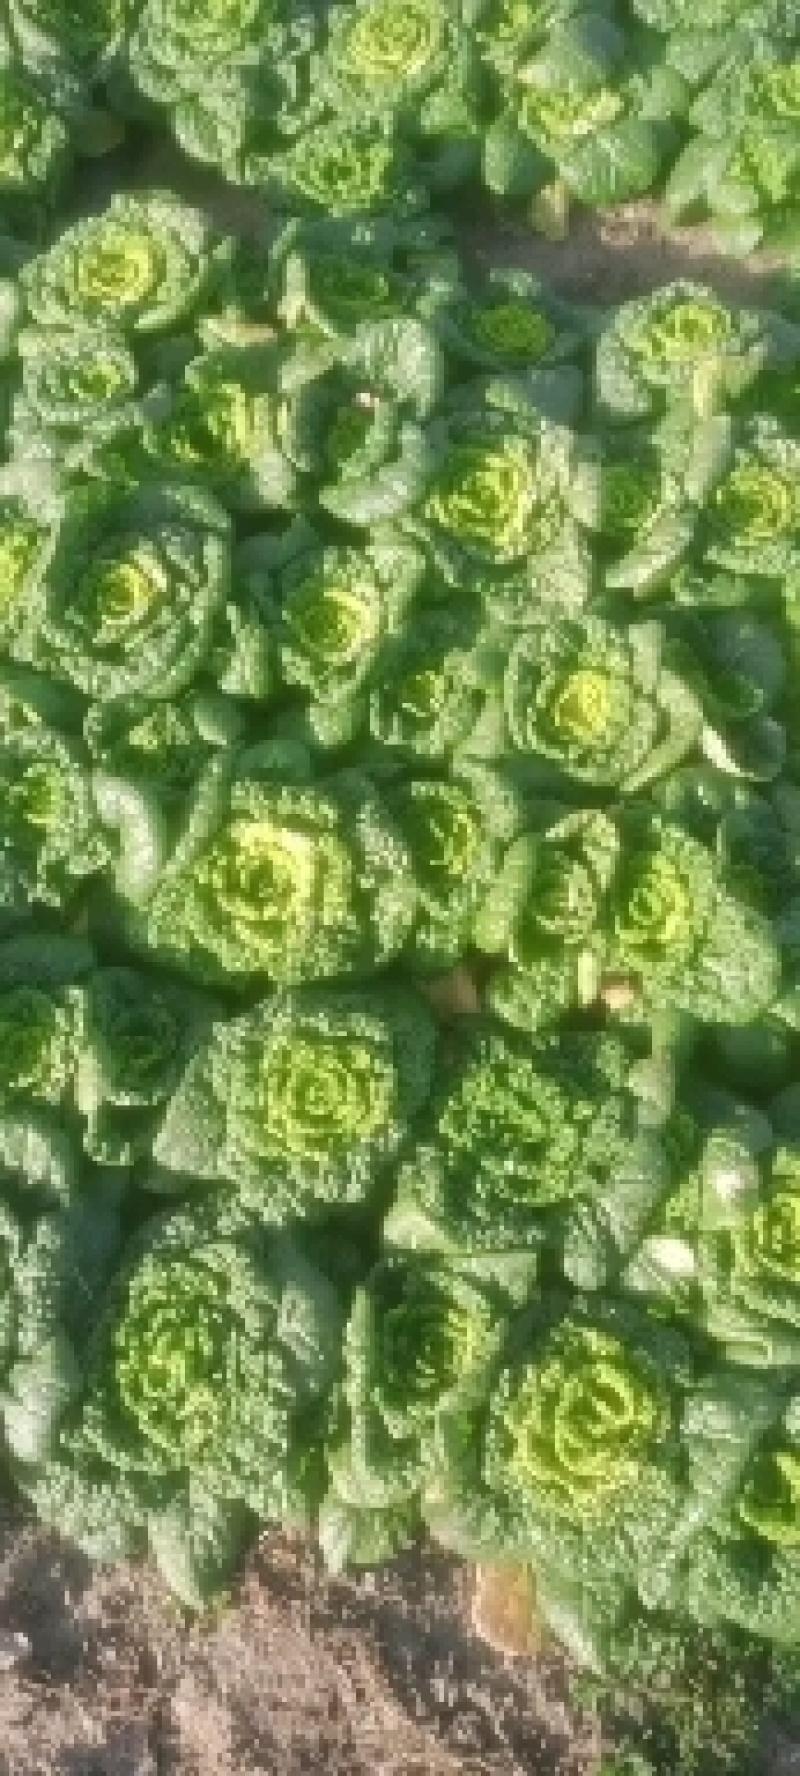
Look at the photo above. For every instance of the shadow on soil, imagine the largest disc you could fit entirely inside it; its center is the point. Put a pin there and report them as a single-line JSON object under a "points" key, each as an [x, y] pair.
{"points": [[487, 1711]]}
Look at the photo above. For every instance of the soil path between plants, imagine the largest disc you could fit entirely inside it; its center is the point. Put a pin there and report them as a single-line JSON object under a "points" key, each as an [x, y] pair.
{"points": [[301, 1676]]}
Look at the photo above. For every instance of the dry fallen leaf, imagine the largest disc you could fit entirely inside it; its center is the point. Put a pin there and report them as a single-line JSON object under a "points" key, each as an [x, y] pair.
{"points": [[504, 1609]]}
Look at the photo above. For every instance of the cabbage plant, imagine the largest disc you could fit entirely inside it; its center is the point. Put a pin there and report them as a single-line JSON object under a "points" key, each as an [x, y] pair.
{"points": [[334, 612], [599, 704], [420, 1340], [752, 521], [741, 169], [301, 1105], [52, 834], [141, 265], [344, 167], [567, 1459], [175, 50], [34, 151], [598, 112], [516, 1131], [59, 1241], [376, 60], [133, 588], [165, 1446], [511, 492], [733, 1546], [289, 880], [456, 829], [80, 386], [683, 341]]}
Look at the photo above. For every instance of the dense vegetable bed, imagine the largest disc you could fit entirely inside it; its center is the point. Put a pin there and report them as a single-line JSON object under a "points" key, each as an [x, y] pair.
{"points": [[349, 107], [366, 631]]}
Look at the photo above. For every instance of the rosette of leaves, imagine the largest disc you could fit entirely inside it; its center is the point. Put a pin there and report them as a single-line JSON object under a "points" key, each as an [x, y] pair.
{"points": [[39, 1019], [52, 839], [112, 1042], [139, 266], [541, 917], [600, 703], [373, 59], [752, 520], [682, 342], [336, 293], [175, 51], [344, 166], [85, 39], [136, 1034], [79, 390], [34, 150], [749, 1255], [598, 110], [430, 688], [59, 1233], [510, 494], [161, 747], [728, 30], [741, 167], [224, 426], [520, 1129], [355, 426], [200, 1401], [336, 609], [239, 115], [456, 830], [420, 1338], [686, 937], [733, 1554], [30, 517], [513, 326], [134, 587], [656, 478], [301, 1105], [273, 876], [421, 72], [569, 1462], [332, 275], [508, 31]]}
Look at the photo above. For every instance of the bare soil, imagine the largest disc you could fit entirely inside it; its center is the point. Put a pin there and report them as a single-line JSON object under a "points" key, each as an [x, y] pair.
{"points": [[612, 256], [301, 1676]]}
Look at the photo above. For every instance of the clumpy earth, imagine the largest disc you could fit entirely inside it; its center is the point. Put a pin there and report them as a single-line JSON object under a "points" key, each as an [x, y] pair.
{"points": [[376, 1675]]}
